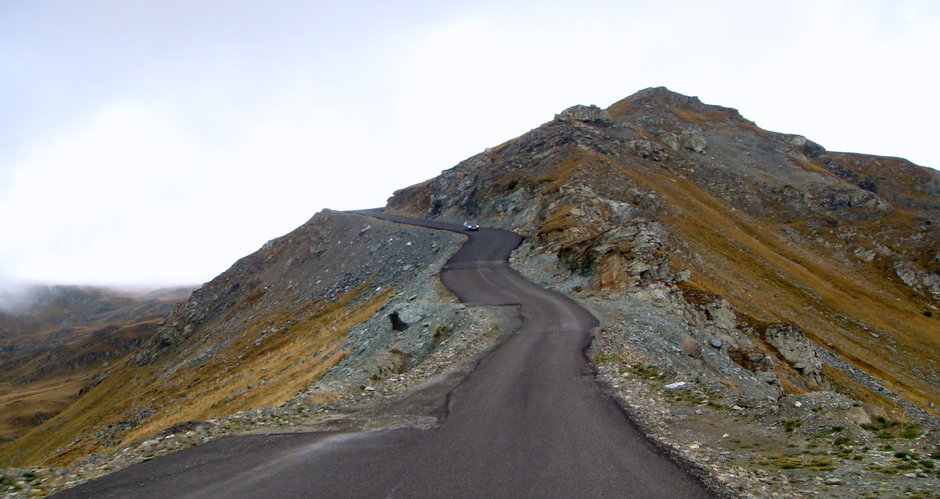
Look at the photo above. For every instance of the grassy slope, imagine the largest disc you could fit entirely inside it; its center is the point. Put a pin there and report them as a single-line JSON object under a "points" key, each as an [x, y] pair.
{"points": [[27, 405], [222, 384], [762, 274], [70, 345]]}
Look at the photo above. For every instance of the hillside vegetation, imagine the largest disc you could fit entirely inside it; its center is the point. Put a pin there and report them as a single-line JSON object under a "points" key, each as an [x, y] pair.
{"points": [[255, 336], [55, 339], [660, 188], [768, 309]]}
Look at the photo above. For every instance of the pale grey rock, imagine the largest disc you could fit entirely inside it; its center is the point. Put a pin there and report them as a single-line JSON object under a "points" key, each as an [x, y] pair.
{"points": [[793, 345], [583, 113], [864, 254], [648, 149], [671, 140], [693, 140], [917, 278], [767, 377]]}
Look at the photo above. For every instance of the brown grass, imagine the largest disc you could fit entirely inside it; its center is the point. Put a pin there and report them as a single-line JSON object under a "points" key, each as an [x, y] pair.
{"points": [[575, 158], [24, 406], [247, 373], [560, 219], [844, 384], [812, 165], [688, 115], [751, 264]]}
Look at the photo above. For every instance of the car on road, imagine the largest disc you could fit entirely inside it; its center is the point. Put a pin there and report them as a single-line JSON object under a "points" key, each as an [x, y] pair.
{"points": [[471, 225]]}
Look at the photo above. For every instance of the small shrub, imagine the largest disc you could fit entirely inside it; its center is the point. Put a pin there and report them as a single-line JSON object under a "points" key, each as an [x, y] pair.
{"points": [[927, 313], [791, 424], [935, 455], [8, 484], [911, 431], [883, 425], [512, 185], [647, 372], [842, 441], [601, 357]]}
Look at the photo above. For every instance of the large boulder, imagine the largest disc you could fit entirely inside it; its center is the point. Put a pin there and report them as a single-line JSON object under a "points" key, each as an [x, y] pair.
{"points": [[793, 345], [584, 113]]}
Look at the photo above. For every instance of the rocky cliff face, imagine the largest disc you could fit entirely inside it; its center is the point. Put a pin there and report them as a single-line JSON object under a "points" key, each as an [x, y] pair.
{"points": [[662, 192]]}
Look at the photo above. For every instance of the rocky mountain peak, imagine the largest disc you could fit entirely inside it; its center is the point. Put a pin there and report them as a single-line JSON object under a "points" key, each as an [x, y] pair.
{"points": [[735, 272], [658, 99], [661, 189]]}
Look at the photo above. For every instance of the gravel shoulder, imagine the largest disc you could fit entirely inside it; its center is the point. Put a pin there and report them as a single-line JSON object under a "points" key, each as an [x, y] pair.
{"points": [[698, 407]]}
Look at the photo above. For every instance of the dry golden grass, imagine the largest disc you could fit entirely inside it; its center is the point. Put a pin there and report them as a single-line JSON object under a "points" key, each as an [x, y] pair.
{"points": [[753, 265], [575, 158], [812, 165], [22, 405], [560, 219], [750, 263], [247, 373], [874, 402], [687, 115]]}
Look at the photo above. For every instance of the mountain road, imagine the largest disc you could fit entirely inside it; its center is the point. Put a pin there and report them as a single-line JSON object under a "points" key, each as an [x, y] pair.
{"points": [[528, 421]]}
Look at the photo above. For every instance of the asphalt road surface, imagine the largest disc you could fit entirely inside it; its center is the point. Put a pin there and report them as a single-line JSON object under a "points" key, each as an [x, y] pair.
{"points": [[529, 421]]}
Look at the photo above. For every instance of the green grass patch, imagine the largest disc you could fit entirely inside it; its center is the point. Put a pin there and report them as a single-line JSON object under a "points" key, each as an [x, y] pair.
{"points": [[602, 357], [796, 461], [648, 371], [911, 431], [791, 424], [7, 483], [888, 429]]}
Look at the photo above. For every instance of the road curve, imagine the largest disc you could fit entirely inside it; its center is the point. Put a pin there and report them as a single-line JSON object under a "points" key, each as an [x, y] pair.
{"points": [[529, 421]]}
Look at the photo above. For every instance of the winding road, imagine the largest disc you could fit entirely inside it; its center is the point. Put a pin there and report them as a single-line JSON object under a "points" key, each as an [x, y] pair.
{"points": [[529, 421]]}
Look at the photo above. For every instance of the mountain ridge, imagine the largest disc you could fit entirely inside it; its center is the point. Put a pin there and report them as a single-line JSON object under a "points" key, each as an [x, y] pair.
{"points": [[781, 193], [783, 286]]}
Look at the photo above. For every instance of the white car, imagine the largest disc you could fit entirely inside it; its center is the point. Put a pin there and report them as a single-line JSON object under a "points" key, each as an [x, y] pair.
{"points": [[471, 225]]}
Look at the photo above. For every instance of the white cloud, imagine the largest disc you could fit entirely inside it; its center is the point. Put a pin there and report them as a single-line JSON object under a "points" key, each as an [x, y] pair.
{"points": [[141, 156]]}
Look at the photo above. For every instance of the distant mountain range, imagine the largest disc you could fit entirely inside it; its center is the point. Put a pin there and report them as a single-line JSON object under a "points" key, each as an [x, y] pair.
{"points": [[55, 339]]}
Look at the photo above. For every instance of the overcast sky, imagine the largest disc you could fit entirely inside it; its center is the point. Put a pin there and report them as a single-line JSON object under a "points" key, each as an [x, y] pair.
{"points": [[159, 141]]}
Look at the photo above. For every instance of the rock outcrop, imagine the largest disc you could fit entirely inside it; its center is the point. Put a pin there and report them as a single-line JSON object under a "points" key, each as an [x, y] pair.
{"points": [[662, 190], [747, 282], [792, 344]]}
